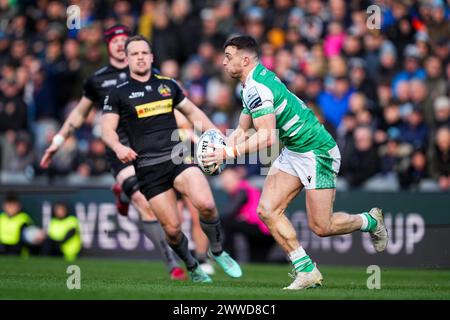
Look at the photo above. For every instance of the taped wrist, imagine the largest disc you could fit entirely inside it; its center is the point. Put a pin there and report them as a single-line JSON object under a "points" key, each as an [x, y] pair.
{"points": [[58, 140]]}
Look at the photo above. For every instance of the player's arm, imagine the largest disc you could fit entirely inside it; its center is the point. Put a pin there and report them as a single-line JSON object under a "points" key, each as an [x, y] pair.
{"points": [[264, 137], [109, 123], [196, 116], [240, 133], [259, 108], [74, 121], [77, 117]]}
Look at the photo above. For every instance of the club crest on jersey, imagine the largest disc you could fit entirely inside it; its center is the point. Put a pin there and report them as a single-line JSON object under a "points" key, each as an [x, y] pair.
{"points": [[134, 95], [164, 90]]}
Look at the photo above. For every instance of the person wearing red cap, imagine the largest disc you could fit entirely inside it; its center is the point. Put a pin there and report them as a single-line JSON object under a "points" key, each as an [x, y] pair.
{"points": [[96, 89]]}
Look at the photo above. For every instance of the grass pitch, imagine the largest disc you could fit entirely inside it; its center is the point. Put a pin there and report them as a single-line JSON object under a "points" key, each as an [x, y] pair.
{"points": [[45, 278]]}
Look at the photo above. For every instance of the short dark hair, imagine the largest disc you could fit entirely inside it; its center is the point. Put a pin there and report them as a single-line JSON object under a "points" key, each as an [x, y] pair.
{"points": [[12, 197], [243, 42], [137, 38]]}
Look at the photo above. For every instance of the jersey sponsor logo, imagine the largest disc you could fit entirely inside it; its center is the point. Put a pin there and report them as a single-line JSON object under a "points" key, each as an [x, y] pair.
{"points": [[134, 95], [253, 99], [164, 90], [154, 108], [109, 83]]}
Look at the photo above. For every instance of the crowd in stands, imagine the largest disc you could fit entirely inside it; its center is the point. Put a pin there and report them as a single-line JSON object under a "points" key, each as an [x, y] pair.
{"points": [[383, 93]]}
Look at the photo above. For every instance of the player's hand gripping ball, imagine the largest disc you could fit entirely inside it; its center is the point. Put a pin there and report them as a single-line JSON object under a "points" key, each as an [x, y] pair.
{"points": [[207, 142]]}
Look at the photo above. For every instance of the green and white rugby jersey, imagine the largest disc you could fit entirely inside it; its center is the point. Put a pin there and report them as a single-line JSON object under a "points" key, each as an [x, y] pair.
{"points": [[299, 129]]}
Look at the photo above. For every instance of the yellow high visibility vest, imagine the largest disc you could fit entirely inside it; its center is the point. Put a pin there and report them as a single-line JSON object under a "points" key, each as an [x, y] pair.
{"points": [[10, 227], [57, 230]]}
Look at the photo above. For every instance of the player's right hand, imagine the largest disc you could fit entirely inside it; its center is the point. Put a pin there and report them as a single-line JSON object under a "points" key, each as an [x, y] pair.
{"points": [[125, 154], [47, 157]]}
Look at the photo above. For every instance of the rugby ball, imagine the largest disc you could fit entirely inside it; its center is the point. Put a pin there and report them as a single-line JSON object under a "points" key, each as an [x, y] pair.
{"points": [[209, 137], [32, 235]]}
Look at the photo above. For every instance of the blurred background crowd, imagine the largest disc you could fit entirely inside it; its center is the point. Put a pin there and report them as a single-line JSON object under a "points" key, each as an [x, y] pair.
{"points": [[383, 93]]}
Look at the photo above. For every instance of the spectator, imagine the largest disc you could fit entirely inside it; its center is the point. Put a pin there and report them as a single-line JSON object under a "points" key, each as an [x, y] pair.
{"points": [[435, 87], [373, 42], [334, 40], [361, 162], [187, 29], [210, 30], [164, 39], [394, 153], [63, 234], [254, 23], [22, 155], [241, 217], [345, 131], [387, 63], [439, 158], [442, 112], [402, 31], [414, 130], [13, 110], [335, 101], [352, 47], [95, 160], [412, 69], [418, 93], [359, 79], [438, 24], [411, 176]]}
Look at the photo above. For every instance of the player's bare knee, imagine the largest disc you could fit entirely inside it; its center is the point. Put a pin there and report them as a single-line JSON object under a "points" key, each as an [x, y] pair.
{"points": [[207, 208], [320, 230], [265, 211]]}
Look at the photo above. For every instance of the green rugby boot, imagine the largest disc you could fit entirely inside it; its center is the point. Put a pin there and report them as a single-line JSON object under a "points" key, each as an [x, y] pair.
{"points": [[228, 264], [198, 275]]}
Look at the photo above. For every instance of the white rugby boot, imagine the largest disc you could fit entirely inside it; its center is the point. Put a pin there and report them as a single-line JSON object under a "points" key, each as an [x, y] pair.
{"points": [[379, 236], [305, 280]]}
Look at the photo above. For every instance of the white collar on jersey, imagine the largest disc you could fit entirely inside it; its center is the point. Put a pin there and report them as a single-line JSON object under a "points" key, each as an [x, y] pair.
{"points": [[250, 74]]}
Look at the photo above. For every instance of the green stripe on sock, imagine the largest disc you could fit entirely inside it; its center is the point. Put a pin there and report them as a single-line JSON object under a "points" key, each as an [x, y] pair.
{"points": [[304, 264], [371, 222]]}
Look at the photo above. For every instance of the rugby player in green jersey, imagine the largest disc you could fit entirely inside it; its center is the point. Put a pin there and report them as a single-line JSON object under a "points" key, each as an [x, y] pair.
{"points": [[310, 160]]}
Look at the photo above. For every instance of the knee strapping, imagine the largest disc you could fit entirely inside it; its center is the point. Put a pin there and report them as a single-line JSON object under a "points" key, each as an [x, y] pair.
{"points": [[130, 185]]}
